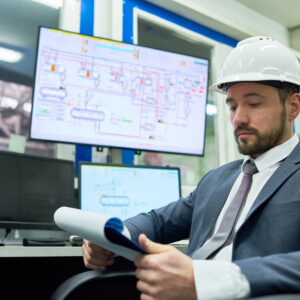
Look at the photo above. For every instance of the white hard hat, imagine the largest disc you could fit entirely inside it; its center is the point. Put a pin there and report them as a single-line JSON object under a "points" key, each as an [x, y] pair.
{"points": [[259, 59]]}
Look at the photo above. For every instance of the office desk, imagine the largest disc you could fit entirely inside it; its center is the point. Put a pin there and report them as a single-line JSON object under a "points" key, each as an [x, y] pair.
{"points": [[21, 251], [35, 272]]}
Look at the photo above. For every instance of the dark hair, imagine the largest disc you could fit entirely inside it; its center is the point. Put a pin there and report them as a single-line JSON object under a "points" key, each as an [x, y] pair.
{"points": [[287, 91]]}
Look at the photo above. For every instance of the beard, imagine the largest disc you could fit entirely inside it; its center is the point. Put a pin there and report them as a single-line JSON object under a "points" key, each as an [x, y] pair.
{"points": [[264, 142]]}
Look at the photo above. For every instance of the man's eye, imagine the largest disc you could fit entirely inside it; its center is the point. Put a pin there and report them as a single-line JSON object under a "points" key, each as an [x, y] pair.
{"points": [[254, 104], [232, 108]]}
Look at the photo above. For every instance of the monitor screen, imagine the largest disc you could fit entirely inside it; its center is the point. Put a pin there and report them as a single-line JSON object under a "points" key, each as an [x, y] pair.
{"points": [[124, 191], [95, 91], [32, 188]]}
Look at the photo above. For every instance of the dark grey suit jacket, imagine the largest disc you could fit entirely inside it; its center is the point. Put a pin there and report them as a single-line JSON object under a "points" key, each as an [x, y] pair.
{"points": [[266, 247]]}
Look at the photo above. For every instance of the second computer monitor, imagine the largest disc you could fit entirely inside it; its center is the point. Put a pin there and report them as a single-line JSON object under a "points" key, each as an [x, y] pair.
{"points": [[125, 191]]}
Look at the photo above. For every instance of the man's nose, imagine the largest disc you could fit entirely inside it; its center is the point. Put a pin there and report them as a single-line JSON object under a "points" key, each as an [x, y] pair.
{"points": [[240, 117]]}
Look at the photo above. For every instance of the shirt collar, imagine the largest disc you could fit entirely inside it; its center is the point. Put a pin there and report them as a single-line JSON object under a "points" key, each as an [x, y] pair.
{"points": [[274, 155]]}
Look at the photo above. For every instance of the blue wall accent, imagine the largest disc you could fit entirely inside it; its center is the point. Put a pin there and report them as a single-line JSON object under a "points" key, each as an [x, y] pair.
{"points": [[128, 21], [128, 6], [84, 153], [87, 17], [128, 157]]}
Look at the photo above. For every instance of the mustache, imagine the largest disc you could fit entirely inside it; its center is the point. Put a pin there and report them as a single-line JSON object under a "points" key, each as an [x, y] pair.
{"points": [[245, 128]]}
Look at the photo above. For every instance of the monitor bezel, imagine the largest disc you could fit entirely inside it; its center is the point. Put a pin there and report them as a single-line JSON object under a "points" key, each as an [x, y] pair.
{"points": [[82, 163], [15, 224], [105, 146]]}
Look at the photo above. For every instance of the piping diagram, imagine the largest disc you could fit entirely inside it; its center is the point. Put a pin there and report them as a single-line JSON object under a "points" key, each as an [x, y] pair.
{"points": [[100, 90]]}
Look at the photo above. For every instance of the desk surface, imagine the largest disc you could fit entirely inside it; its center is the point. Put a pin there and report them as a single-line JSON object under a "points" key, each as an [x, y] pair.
{"points": [[32, 251], [53, 251]]}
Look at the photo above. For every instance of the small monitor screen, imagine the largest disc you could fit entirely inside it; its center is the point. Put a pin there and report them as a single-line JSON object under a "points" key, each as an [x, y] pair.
{"points": [[101, 92], [125, 191], [32, 188]]}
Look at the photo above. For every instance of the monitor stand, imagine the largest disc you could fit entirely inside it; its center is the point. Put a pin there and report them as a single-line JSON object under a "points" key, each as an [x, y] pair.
{"points": [[114, 156]]}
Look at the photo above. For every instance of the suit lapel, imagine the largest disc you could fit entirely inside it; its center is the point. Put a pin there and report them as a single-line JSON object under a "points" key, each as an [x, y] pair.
{"points": [[285, 170]]}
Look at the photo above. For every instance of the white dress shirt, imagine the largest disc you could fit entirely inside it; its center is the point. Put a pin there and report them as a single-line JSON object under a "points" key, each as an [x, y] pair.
{"points": [[219, 278]]}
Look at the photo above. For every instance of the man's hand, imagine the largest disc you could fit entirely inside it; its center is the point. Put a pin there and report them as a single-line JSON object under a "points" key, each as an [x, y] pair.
{"points": [[95, 257], [164, 273]]}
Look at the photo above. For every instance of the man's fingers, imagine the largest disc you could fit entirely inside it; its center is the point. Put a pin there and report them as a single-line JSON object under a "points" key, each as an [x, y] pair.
{"points": [[149, 291], [92, 248], [145, 275], [146, 260], [146, 297], [95, 257], [96, 262], [152, 247], [93, 266]]}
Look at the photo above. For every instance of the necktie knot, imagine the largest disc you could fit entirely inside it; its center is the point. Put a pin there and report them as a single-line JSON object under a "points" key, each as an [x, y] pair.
{"points": [[249, 167]]}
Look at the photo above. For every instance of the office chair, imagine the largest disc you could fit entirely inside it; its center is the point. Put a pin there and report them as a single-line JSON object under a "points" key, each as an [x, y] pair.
{"points": [[98, 284], [115, 285], [279, 297], [116, 282]]}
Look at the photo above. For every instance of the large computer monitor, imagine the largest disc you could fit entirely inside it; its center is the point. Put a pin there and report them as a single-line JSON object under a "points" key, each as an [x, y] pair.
{"points": [[32, 188], [124, 191], [95, 91]]}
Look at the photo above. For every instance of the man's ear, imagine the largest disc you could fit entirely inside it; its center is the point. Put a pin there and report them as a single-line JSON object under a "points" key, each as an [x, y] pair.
{"points": [[293, 106]]}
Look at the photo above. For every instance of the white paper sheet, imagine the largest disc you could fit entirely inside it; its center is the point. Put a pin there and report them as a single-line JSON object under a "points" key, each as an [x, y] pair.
{"points": [[90, 226]]}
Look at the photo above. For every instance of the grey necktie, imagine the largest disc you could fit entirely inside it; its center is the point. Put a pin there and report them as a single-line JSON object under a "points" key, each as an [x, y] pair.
{"points": [[226, 228]]}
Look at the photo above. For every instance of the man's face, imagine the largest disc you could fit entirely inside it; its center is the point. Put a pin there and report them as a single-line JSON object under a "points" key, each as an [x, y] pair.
{"points": [[258, 117]]}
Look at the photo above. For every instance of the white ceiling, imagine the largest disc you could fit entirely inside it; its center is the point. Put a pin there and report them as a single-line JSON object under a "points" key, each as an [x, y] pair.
{"points": [[286, 13]]}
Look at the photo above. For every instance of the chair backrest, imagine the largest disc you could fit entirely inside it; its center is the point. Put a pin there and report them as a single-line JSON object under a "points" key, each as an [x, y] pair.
{"points": [[279, 297], [98, 284]]}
